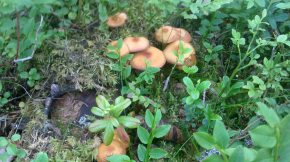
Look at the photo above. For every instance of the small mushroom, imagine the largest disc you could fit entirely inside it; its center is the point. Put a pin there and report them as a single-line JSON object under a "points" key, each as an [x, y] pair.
{"points": [[188, 57], [151, 55], [117, 20], [124, 49], [136, 44], [166, 34], [183, 35], [115, 148], [174, 134], [121, 135]]}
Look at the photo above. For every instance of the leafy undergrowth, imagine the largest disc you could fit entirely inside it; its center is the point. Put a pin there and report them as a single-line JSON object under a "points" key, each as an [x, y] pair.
{"points": [[67, 94]]}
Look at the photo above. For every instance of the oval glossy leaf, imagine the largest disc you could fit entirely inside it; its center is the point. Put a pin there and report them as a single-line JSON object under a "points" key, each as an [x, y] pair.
{"points": [[129, 121], [284, 146], [158, 116], [157, 153], [161, 131], [237, 155], [204, 140], [15, 137], [97, 111], [143, 134], [149, 118], [102, 102], [98, 125], [269, 114], [3, 142], [141, 151], [263, 136], [108, 134], [221, 135]]}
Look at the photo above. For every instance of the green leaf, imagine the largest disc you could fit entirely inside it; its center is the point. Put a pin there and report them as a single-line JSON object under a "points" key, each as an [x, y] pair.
{"points": [[221, 135], [149, 118], [11, 149], [129, 122], [141, 151], [187, 82], [190, 70], [102, 12], [269, 114], [213, 158], [282, 38], [108, 134], [237, 155], [21, 153], [118, 158], [284, 143], [120, 105], [41, 157], [143, 134], [263, 136], [30, 83], [158, 116], [15, 137], [264, 155], [119, 43], [157, 153], [283, 5], [261, 3], [98, 125], [203, 86], [113, 55], [194, 94], [204, 140], [23, 75], [3, 142], [102, 102], [161, 131], [126, 72], [97, 111]]}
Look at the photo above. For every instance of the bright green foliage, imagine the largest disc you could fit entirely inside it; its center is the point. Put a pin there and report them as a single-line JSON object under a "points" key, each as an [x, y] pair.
{"points": [[269, 139], [32, 76], [121, 66], [111, 114], [10, 149], [41, 157], [156, 131], [119, 158]]}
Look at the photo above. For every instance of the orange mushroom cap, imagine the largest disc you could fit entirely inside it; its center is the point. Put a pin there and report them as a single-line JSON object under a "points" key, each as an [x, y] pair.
{"points": [[115, 148], [152, 55], [121, 135], [124, 49], [136, 44], [183, 35], [117, 20], [166, 34], [174, 47]]}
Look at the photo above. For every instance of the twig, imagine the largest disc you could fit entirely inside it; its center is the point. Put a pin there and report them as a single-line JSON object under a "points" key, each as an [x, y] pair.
{"points": [[18, 35], [35, 43]]}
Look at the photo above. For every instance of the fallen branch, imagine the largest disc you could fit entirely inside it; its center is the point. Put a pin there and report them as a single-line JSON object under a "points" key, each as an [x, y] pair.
{"points": [[35, 43]]}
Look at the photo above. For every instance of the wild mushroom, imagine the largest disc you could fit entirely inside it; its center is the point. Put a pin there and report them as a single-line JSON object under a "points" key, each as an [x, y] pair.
{"points": [[166, 34], [183, 35], [115, 148], [136, 44], [117, 20], [124, 49], [188, 55], [121, 135], [174, 134], [153, 56]]}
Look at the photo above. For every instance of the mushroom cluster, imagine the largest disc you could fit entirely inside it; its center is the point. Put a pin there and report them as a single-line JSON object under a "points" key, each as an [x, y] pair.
{"points": [[120, 143], [147, 55]]}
